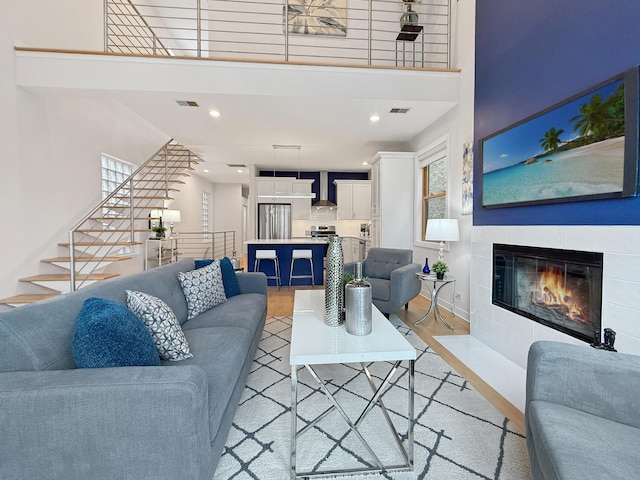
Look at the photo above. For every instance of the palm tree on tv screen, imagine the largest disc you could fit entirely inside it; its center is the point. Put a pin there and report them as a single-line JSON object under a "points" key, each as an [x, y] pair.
{"points": [[551, 139]]}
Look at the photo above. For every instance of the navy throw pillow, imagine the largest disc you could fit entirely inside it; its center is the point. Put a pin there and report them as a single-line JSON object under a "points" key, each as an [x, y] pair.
{"points": [[229, 280], [108, 334], [203, 263]]}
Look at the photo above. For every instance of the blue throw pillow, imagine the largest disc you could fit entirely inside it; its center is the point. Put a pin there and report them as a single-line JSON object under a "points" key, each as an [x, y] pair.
{"points": [[229, 280], [110, 335], [231, 287], [203, 263]]}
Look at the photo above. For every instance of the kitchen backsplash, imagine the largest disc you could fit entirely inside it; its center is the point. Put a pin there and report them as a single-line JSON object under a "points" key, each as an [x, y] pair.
{"points": [[344, 228]]}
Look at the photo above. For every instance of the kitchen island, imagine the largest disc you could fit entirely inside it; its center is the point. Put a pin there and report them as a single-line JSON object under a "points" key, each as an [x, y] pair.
{"points": [[284, 247]]}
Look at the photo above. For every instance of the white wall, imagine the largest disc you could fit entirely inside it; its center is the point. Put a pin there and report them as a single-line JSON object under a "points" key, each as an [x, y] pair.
{"points": [[51, 148], [457, 124], [63, 24], [227, 210]]}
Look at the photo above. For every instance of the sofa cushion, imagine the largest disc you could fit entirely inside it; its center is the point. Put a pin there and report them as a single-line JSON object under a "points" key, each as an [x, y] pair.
{"points": [[162, 323], [202, 288], [245, 311], [221, 353], [570, 443], [229, 279], [109, 335], [380, 289]]}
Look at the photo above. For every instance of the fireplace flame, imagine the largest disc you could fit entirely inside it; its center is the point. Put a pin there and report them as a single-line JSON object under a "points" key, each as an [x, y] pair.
{"points": [[553, 293]]}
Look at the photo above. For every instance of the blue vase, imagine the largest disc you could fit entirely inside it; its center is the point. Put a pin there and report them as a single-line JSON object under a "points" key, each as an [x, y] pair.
{"points": [[426, 270]]}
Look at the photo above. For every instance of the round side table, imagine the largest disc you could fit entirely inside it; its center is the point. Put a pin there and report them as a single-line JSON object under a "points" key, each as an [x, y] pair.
{"points": [[435, 290]]}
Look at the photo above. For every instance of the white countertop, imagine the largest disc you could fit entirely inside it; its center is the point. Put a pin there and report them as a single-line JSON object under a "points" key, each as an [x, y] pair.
{"points": [[286, 241], [313, 342]]}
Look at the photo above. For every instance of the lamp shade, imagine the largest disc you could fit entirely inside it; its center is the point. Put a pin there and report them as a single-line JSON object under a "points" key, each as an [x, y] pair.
{"points": [[442, 230], [171, 216]]}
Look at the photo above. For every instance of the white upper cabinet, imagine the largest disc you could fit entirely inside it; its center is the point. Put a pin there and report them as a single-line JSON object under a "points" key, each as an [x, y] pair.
{"points": [[354, 199]]}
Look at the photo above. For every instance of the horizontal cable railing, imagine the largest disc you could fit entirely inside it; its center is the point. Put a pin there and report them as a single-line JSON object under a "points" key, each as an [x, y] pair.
{"points": [[201, 245], [113, 226], [360, 32]]}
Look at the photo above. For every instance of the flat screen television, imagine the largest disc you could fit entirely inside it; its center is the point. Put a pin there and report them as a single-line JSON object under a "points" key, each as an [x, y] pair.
{"points": [[583, 148]]}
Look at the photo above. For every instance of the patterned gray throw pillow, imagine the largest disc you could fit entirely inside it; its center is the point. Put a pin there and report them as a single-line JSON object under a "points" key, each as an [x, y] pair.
{"points": [[203, 288], [162, 323]]}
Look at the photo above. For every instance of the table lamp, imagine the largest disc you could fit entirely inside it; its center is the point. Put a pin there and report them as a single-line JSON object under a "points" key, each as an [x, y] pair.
{"points": [[442, 230], [170, 217]]}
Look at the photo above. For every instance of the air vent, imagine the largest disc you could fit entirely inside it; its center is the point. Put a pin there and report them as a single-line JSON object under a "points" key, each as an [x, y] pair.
{"points": [[187, 103], [236, 165], [399, 110]]}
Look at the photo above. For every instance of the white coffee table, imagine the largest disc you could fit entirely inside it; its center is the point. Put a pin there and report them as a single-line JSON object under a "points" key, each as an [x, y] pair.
{"points": [[314, 343]]}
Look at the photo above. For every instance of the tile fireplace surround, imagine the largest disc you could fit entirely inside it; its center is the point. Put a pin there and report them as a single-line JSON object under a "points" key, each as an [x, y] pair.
{"points": [[510, 334]]}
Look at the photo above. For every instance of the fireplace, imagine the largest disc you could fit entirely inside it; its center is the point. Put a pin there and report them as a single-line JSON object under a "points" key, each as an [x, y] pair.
{"points": [[561, 289]]}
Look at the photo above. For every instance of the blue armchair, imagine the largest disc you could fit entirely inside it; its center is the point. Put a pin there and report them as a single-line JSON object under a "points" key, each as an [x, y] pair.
{"points": [[392, 276]]}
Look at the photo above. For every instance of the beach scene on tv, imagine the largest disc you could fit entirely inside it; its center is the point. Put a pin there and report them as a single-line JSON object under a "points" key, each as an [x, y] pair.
{"points": [[574, 150]]}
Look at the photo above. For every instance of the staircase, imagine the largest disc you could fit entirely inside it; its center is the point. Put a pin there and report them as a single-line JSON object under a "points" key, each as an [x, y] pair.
{"points": [[114, 227]]}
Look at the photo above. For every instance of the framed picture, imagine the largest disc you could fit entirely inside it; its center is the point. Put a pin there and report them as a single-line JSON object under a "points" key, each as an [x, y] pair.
{"points": [[581, 149], [317, 17]]}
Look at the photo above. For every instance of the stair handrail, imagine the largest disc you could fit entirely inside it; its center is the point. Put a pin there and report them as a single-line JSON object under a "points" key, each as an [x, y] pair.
{"points": [[127, 183]]}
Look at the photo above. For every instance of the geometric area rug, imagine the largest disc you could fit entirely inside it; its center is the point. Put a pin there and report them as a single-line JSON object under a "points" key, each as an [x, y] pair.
{"points": [[458, 434]]}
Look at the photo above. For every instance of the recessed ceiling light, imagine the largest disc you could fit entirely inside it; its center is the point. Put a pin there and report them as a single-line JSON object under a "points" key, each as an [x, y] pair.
{"points": [[374, 118], [205, 170], [239, 170], [214, 113], [365, 163]]}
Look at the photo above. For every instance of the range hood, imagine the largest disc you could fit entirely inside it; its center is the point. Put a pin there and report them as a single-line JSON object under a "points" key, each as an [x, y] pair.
{"points": [[324, 192]]}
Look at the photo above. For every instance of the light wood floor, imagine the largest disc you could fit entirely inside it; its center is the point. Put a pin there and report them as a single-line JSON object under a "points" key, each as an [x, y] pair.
{"points": [[280, 303]]}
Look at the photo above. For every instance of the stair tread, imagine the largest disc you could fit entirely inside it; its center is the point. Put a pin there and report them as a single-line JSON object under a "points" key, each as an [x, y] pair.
{"points": [[29, 298], [57, 277], [115, 230], [100, 244], [87, 259]]}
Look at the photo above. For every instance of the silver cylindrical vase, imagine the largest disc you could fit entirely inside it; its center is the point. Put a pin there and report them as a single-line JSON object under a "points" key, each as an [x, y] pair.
{"points": [[358, 299], [333, 290]]}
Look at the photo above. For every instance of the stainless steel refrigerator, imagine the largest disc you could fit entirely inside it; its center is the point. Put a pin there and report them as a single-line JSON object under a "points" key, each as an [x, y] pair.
{"points": [[274, 220]]}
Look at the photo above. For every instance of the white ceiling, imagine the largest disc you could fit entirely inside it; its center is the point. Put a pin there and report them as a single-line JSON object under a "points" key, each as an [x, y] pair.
{"points": [[325, 110]]}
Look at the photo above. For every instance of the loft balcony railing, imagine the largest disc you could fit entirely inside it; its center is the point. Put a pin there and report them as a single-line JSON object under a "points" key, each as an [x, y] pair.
{"points": [[337, 32]]}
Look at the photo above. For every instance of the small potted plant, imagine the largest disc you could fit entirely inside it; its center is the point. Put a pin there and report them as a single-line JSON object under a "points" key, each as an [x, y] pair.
{"points": [[159, 231], [440, 268]]}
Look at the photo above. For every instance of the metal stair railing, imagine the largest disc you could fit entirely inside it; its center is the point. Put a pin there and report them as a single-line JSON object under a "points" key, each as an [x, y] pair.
{"points": [[111, 225], [201, 245]]}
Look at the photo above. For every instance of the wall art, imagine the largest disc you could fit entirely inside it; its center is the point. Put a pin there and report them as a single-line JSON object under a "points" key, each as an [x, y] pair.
{"points": [[317, 17]]}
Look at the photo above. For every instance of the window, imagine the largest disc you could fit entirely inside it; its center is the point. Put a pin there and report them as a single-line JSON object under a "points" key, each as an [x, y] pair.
{"points": [[114, 172], [431, 185], [434, 191], [205, 216]]}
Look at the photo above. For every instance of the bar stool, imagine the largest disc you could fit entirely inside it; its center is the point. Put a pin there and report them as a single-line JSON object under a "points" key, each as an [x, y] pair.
{"points": [[301, 255], [269, 255]]}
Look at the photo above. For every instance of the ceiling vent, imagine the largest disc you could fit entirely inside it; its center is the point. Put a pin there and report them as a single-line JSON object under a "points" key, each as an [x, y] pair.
{"points": [[187, 103], [236, 165], [399, 110]]}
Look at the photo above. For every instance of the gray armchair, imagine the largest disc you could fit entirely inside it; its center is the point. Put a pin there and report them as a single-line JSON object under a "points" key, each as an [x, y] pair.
{"points": [[582, 413], [392, 276]]}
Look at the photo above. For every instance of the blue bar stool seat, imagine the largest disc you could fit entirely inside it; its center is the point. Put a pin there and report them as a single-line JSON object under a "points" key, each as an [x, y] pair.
{"points": [[301, 255], [268, 255]]}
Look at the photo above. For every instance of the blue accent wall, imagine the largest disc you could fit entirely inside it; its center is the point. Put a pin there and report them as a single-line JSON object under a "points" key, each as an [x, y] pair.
{"points": [[531, 55]]}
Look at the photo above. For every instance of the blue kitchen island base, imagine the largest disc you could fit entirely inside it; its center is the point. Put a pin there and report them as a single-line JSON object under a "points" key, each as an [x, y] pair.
{"points": [[284, 248]]}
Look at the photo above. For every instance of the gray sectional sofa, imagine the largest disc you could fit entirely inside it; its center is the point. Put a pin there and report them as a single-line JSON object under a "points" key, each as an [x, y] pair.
{"points": [[168, 422], [582, 413]]}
